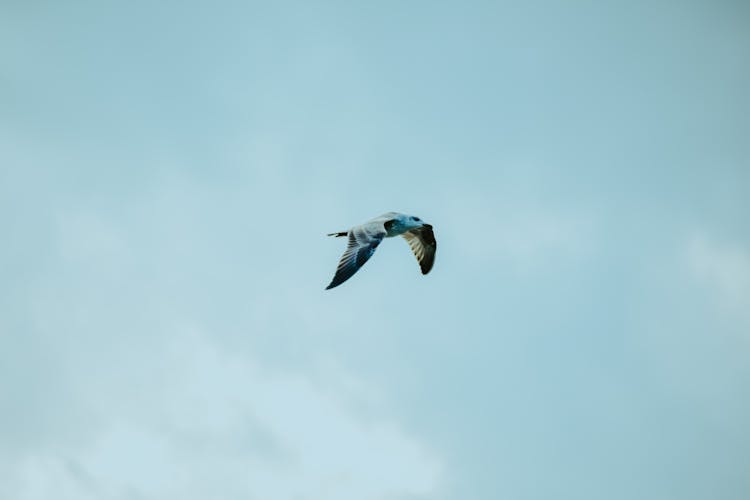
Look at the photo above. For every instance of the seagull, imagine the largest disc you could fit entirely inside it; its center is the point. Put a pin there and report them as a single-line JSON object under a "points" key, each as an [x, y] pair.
{"points": [[365, 238]]}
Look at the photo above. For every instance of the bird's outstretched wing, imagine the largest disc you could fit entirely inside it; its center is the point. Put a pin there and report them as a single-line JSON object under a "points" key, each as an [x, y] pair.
{"points": [[423, 244], [363, 240]]}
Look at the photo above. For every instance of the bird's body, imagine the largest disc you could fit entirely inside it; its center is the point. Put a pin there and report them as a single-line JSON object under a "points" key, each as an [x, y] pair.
{"points": [[365, 238]]}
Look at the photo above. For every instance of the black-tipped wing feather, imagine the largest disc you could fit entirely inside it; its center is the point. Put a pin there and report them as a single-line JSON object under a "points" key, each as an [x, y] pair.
{"points": [[423, 244], [362, 244]]}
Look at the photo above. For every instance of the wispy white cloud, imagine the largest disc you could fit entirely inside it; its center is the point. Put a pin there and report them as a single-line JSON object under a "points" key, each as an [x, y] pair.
{"points": [[224, 428], [724, 269]]}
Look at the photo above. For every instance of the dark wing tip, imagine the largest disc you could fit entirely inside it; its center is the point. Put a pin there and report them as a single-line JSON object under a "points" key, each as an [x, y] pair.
{"points": [[427, 237], [426, 265], [339, 278], [335, 282]]}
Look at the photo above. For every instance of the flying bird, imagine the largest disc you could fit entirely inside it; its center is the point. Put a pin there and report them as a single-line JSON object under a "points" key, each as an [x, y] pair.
{"points": [[365, 238]]}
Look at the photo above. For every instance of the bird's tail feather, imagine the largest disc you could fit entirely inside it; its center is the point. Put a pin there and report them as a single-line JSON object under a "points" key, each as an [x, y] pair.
{"points": [[339, 234]]}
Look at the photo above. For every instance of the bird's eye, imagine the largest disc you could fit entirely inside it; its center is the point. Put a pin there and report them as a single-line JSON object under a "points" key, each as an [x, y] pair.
{"points": [[416, 218]]}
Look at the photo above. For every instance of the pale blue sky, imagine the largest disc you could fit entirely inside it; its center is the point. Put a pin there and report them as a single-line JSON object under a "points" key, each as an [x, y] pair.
{"points": [[168, 172]]}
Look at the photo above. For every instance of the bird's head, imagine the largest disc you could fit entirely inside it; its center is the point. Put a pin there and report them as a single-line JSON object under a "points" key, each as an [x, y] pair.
{"points": [[400, 223], [411, 222]]}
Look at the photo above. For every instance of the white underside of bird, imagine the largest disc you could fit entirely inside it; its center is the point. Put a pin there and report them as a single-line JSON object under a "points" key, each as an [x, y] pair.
{"points": [[365, 238]]}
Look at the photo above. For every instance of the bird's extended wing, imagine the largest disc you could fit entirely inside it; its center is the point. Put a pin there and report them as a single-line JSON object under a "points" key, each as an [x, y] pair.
{"points": [[363, 240], [423, 244]]}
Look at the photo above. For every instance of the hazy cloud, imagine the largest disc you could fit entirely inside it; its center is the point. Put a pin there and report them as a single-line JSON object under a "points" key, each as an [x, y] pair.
{"points": [[725, 269], [223, 428]]}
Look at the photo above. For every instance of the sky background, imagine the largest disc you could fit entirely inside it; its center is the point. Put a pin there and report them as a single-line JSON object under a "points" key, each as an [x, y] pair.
{"points": [[169, 170]]}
